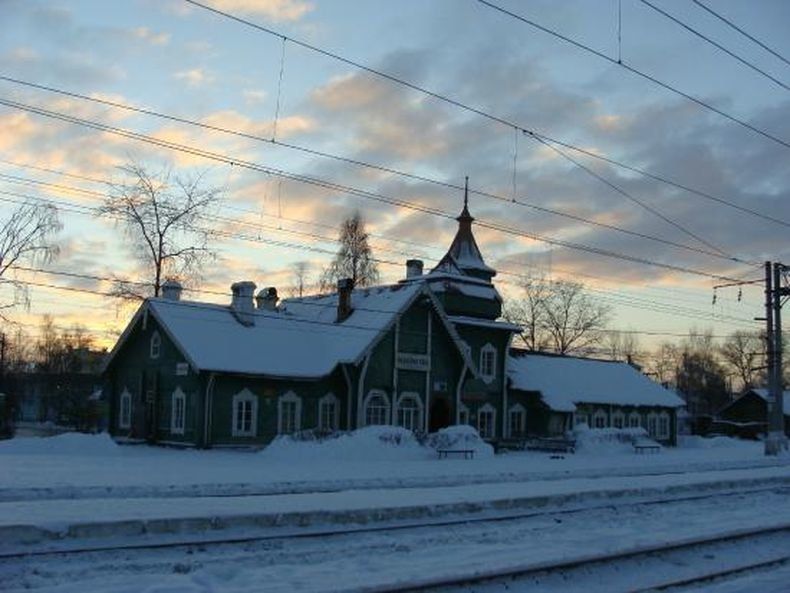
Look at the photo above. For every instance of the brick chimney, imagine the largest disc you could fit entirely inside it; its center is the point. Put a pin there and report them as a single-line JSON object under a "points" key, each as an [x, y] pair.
{"points": [[267, 299], [171, 290], [344, 288], [241, 303], [413, 268]]}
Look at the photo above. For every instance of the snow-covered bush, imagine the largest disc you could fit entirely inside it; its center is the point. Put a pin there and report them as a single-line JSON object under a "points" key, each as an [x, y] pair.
{"points": [[372, 443], [699, 442], [460, 437], [70, 443], [607, 440]]}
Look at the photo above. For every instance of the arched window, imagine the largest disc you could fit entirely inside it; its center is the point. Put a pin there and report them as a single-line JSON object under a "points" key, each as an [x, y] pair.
{"points": [[377, 408], [328, 413], [408, 412], [289, 413], [486, 421], [156, 345], [245, 414], [618, 419], [178, 411], [125, 409], [463, 414], [600, 419], [488, 363], [634, 420], [517, 421]]}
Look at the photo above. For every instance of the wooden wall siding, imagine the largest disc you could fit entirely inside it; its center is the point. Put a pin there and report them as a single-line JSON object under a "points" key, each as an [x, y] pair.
{"points": [[459, 304]]}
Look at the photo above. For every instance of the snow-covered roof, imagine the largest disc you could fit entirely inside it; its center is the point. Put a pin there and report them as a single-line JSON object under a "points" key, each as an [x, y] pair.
{"points": [[565, 381], [302, 340], [476, 321], [763, 393]]}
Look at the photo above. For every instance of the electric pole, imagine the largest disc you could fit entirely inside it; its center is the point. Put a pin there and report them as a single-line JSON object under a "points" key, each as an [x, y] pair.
{"points": [[775, 291]]}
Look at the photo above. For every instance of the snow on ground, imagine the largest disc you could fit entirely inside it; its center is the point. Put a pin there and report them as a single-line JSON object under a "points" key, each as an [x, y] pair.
{"points": [[73, 465]]}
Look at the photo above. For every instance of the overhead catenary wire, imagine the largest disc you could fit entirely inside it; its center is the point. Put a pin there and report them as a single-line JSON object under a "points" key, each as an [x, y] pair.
{"points": [[715, 44], [741, 31], [635, 71], [716, 251], [334, 186]]}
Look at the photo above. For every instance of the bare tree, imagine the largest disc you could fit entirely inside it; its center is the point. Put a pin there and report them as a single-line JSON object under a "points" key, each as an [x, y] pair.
{"points": [[666, 360], [299, 278], [622, 345], [160, 214], [26, 237], [354, 259], [573, 317], [742, 353], [529, 312]]}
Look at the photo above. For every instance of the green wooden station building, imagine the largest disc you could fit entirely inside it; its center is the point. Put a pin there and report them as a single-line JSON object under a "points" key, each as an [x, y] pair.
{"points": [[424, 353]]}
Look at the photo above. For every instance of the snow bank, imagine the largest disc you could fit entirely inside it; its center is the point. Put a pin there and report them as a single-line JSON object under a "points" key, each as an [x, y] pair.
{"points": [[70, 443], [699, 442], [460, 437], [607, 440], [372, 443]]}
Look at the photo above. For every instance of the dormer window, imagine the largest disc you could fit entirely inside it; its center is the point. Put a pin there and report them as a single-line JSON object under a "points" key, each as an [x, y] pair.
{"points": [[488, 363], [156, 345]]}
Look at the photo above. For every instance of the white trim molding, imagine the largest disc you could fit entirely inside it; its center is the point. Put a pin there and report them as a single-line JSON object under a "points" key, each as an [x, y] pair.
{"points": [[125, 409], [521, 429], [463, 414], [485, 410], [178, 411], [634, 420], [370, 397], [293, 423], [245, 408], [618, 419], [664, 425], [155, 346], [330, 399], [416, 412], [600, 414], [488, 361]]}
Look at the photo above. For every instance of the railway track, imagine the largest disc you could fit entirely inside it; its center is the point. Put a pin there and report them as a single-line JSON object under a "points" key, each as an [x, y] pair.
{"points": [[472, 517], [392, 558]]}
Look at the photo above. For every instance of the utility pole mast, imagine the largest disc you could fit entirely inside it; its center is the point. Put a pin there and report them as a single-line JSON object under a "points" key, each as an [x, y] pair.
{"points": [[775, 290]]}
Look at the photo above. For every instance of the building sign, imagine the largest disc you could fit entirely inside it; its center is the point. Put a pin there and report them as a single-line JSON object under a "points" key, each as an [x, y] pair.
{"points": [[413, 362]]}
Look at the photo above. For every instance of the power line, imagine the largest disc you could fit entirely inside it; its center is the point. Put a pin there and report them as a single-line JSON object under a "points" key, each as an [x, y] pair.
{"points": [[715, 253], [505, 122], [633, 70], [740, 30], [319, 182], [715, 44]]}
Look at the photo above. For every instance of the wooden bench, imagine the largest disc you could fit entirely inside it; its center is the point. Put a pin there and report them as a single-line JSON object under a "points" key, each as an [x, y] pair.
{"points": [[467, 453], [641, 448], [552, 445]]}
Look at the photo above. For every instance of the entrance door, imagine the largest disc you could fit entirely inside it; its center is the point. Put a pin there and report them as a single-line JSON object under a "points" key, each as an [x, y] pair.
{"points": [[439, 414]]}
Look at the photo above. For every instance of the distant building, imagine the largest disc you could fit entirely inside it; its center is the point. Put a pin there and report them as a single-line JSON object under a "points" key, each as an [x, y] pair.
{"points": [[747, 416], [559, 392]]}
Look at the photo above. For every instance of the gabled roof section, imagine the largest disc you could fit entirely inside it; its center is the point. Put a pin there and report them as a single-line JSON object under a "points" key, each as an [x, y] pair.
{"points": [[763, 394], [302, 340], [565, 381], [464, 254]]}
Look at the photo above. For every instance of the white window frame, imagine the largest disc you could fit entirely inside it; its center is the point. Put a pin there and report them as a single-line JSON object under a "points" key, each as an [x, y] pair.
{"points": [[484, 410], [178, 422], [522, 423], [417, 416], [618, 415], [125, 409], [663, 426], [289, 398], [652, 424], [155, 347], [245, 395], [634, 420], [463, 414], [330, 399], [599, 413], [486, 373], [372, 394]]}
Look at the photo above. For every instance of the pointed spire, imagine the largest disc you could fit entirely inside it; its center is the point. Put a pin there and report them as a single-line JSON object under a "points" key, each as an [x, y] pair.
{"points": [[465, 216], [466, 191]]}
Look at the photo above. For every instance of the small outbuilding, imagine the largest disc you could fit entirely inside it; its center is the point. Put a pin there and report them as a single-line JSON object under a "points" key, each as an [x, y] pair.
{"points": [[747, 416], [559, 392]]}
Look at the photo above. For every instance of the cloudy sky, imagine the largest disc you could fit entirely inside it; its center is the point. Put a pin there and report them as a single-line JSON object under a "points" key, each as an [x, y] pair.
{"points": [[539, 212]]}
